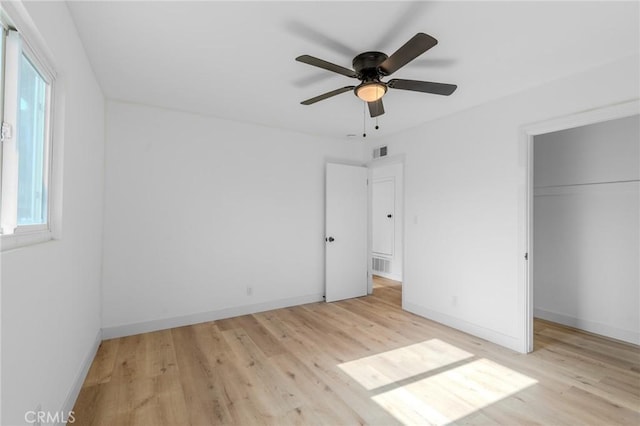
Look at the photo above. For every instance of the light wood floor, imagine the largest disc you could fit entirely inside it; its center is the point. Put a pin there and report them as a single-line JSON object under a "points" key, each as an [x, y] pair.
{"points": [[359, 361]]}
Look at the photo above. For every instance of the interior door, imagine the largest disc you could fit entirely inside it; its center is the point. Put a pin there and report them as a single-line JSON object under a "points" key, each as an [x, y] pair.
{"points": [[346, 232], [383, 217]]}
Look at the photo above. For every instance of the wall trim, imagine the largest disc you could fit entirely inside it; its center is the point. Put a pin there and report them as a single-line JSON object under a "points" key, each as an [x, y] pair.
{"points": [[191, 319], [510, 342], [590, 326], [587, 188], [73, 393], [20, 18], [584, 118], [386, 161]]}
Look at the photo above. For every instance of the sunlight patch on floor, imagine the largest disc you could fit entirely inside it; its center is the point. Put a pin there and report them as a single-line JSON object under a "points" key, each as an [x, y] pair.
{"points": [[409, 361], [453, 394]]}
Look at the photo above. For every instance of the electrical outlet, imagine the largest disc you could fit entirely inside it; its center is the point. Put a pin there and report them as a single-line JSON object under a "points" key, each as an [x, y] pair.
{"points": [[249, 290]]}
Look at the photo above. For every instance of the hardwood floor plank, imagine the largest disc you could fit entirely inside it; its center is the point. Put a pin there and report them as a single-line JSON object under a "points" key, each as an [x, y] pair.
{"points": [[94, 404], [599, 349], [206, 400], [314, 390], [143, 356], [104, 363], [258, 334], [322, 362], [275, 396], [357, 361]]}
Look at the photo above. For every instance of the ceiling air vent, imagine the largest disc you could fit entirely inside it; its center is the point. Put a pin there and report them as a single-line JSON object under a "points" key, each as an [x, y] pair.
{"points": [[380, 151]]}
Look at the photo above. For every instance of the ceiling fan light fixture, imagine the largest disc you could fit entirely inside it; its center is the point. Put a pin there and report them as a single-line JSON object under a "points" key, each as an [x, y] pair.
{"points": [[371, 91]]}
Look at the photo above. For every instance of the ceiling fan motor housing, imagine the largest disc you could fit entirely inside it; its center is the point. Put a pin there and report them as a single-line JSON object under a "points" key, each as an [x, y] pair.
{"points": [[366, 65]]}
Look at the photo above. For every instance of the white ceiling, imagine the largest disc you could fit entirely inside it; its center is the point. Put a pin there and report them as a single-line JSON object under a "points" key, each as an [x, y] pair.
{"points": [[236, 59]]}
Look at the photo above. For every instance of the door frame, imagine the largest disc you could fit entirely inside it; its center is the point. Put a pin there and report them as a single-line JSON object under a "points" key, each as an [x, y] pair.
{"points": [[527, 134], [372, 164]]}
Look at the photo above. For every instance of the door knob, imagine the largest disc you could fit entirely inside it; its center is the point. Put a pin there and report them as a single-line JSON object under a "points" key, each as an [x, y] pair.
{"points": [[330, 239], [389, 216]]}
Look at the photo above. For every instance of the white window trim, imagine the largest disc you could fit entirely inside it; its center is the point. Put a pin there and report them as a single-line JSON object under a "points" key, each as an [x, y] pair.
{"points": [[15, 15]]}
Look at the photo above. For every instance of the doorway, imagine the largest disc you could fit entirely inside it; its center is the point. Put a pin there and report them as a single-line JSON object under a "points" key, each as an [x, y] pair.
{"points": [[388, 290], [582, 250], [386, 185]]}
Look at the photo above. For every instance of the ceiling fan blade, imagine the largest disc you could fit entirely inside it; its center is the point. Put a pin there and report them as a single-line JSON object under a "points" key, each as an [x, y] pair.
{"points": [[376, 108], [327, 95], [310, 79], [422, 86], [315, 36], [326, 65], [415, 47], [409, 15], [434, 62]]}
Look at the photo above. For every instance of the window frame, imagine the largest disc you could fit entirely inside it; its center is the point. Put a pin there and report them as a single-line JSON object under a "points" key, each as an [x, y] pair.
{"points": [[24, 235]]}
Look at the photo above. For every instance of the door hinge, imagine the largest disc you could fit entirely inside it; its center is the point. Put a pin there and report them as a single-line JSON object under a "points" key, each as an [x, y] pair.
{"points": [[5, 133], [526, 256]]}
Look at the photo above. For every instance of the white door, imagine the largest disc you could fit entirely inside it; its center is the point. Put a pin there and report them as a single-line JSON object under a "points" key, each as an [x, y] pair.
{"points": [[383, 217], [346, 232]]}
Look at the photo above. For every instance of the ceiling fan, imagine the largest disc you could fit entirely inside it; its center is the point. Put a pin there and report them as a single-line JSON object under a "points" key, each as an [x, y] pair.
{"points": [[371, 67]]}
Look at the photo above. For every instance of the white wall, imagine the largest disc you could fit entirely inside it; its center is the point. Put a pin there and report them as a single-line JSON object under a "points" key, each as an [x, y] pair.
{"points": [[51, 291], [601, 152], [465, 186], [199, 209], [587, 228]]}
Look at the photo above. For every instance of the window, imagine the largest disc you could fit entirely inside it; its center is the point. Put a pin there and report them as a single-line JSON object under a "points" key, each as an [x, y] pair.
{"points": [[26, 91]]}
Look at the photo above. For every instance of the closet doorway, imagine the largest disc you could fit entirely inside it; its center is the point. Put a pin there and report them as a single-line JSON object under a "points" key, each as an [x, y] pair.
{"points": [[582, 249]]}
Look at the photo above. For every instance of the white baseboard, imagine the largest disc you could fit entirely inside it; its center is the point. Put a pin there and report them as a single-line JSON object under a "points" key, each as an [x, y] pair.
{"points": [[180, 321], [493, 336], [73, 393], [607, 330]]}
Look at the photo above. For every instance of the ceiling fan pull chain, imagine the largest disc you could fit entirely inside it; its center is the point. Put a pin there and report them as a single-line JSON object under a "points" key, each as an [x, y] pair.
{"points": [[377, 127], [364, 119]]}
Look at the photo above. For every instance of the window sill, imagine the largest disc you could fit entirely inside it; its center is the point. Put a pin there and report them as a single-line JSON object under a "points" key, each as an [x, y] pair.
{"points": [[14, 241]]}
